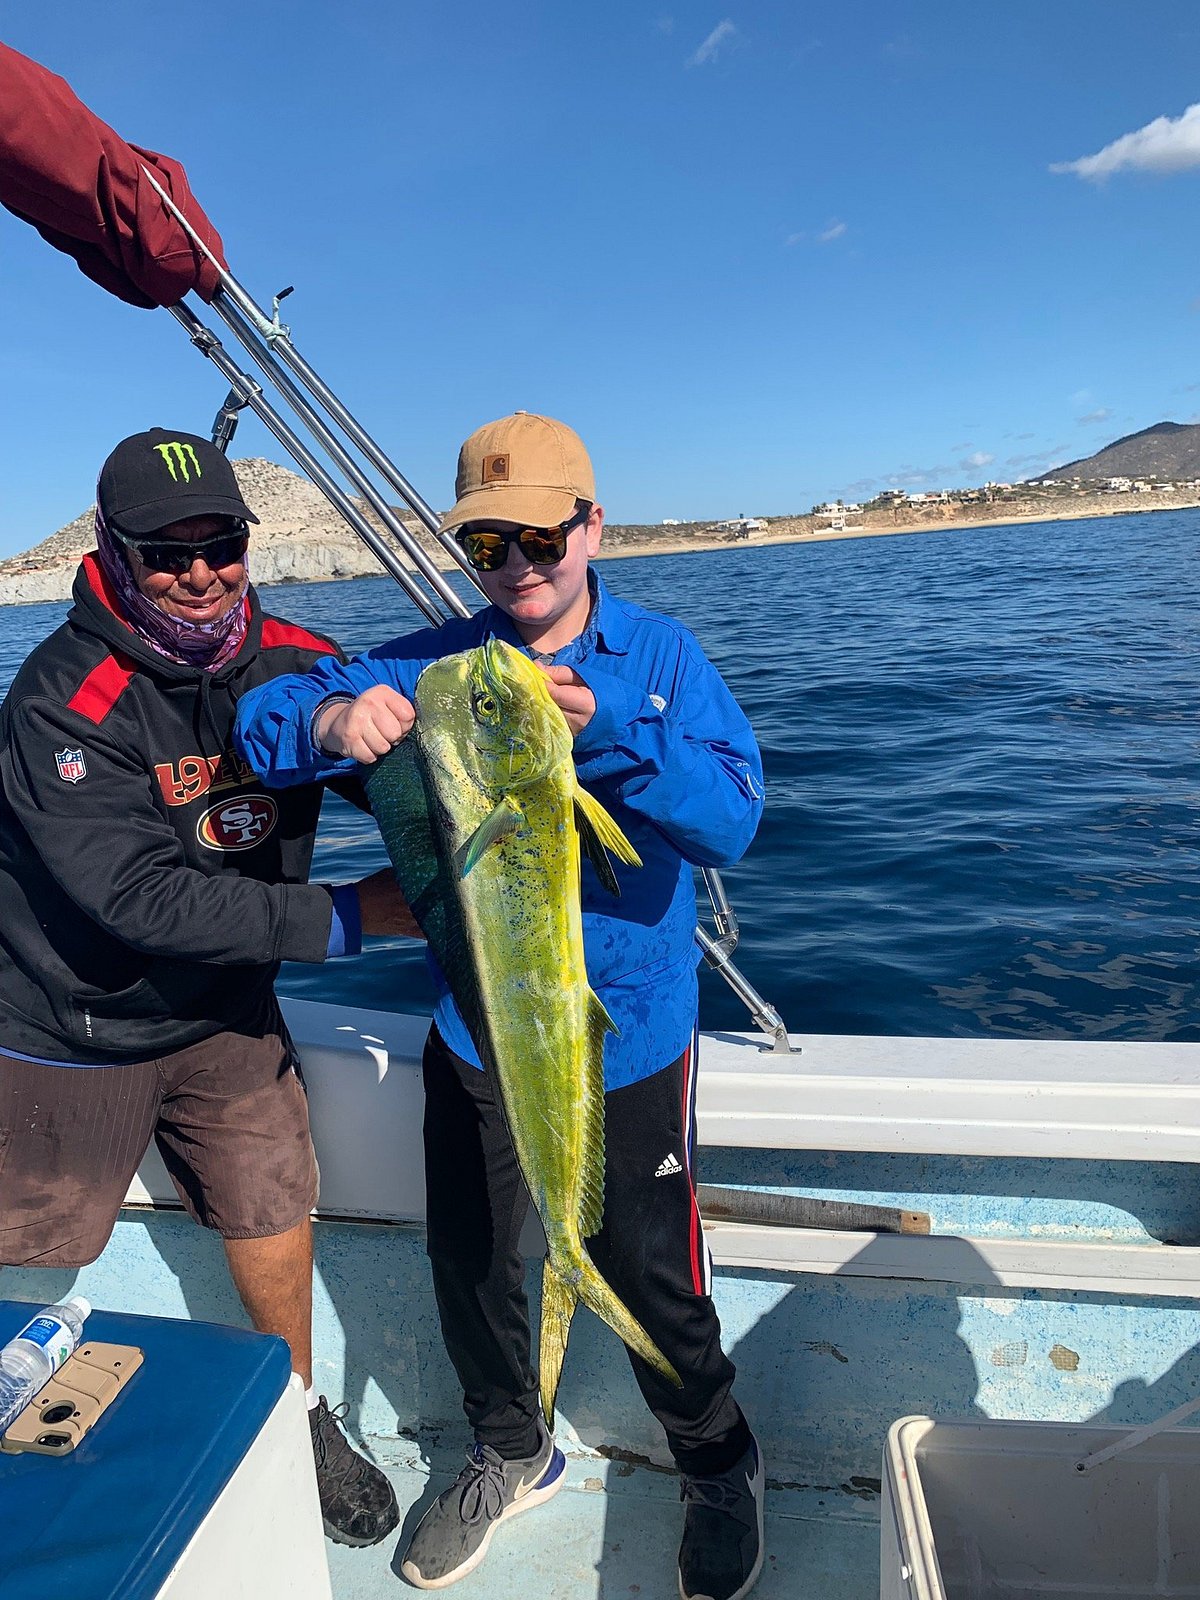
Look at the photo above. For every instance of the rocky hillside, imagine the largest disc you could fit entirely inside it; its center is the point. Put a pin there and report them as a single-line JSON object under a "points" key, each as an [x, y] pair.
{"points": [[300, 537], [1169, 452]]}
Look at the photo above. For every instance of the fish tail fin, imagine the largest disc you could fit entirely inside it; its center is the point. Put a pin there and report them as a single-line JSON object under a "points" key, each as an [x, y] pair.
{"points": [[560, 1296], [558, 1307], [609, 1307]]}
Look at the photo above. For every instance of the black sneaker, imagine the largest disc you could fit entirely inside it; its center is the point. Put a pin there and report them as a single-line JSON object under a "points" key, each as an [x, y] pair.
{"points": [[358, 1504], [452, 1537], [722, 1551]]}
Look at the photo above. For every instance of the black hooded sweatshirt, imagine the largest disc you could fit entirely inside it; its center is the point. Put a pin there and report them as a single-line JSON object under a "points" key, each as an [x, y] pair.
{"points": [[149, 885]]}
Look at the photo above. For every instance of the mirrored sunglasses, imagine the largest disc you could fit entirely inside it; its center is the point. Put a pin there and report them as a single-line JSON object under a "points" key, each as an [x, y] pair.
{"points": [[177, 555], [486, 549]]}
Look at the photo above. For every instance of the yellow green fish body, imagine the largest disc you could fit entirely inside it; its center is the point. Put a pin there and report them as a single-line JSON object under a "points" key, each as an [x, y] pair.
{"points": [[484, 819]]}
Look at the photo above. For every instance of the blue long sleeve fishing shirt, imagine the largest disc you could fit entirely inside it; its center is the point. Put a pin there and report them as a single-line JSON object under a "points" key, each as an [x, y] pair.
{"points": [[669, 754]]}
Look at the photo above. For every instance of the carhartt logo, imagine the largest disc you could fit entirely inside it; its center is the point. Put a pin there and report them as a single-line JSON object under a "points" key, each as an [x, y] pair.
{"points": [[179, 458], [495, 469], [668, 1167]]}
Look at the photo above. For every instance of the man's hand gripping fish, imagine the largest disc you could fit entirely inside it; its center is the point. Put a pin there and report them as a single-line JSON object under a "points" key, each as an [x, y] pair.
{"points": [[484, 818]]}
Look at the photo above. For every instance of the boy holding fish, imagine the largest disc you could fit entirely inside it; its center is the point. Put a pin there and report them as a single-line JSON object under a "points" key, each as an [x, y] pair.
{"points": [[660, 744]]}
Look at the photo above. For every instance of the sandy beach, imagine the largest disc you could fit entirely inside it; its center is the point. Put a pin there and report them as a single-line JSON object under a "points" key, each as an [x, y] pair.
{"points": [[301, 539], [655, 540]]}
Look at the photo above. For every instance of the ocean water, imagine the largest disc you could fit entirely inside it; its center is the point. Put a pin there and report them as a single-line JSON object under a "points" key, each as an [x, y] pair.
{"points": [[982, 752]]}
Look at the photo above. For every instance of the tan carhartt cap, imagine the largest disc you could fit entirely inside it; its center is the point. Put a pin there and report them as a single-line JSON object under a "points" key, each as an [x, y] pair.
{"points": [[523, 468]]}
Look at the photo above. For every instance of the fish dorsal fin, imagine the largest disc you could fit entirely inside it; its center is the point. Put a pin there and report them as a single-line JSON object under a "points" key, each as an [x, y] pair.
{"points": [[504, 817], [591, 1192], [598, 834]]}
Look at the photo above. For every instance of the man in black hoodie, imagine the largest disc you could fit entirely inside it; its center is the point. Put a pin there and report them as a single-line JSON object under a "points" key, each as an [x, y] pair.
{"points": [[150, 888]]}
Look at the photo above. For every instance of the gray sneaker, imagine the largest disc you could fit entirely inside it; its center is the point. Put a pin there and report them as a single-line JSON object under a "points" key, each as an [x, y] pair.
{"points": [[722, 1551], [452, 1537]]}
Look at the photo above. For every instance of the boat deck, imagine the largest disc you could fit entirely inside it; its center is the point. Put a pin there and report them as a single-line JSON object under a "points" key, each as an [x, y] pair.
{"points": [[613, 1532], [1060, 1280]]}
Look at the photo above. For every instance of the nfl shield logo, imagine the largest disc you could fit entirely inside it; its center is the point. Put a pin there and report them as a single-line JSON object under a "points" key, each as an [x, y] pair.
{"points": [[71, 765]]}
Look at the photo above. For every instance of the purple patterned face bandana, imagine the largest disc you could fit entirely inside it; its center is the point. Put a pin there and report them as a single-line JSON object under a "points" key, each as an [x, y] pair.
{"points": [[195, 644]]}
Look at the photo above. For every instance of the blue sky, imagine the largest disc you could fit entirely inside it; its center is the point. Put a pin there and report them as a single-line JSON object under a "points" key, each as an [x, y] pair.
{"points": [[758, 254]]}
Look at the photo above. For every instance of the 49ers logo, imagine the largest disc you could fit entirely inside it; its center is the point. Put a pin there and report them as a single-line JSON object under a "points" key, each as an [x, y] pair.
{"points": [[238, 824]]}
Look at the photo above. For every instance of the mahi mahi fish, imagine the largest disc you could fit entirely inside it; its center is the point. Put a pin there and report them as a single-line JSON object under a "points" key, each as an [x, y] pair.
{"points": [[484, 819]]}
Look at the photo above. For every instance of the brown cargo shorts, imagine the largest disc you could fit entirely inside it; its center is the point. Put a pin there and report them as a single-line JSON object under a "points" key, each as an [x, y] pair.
{"points": [[229, 1116]]}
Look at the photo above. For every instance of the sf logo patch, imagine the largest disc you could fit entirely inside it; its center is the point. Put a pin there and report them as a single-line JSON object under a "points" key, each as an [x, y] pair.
{"points": [[71, 765], [238, 824]]}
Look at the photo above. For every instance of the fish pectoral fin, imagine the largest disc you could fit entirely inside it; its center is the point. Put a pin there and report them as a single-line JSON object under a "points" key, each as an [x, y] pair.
{"points": [[598, 834], [505, 817], [558, 1307]]}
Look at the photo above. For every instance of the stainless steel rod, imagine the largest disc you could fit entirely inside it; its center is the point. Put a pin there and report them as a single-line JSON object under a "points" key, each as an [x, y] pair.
{"points": [[265, 360], [273, 332], [207, 342], [761, 1010], [280, 337], [723, 912]]}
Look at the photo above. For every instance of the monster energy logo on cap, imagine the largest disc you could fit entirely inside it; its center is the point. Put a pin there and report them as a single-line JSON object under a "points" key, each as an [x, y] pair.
{"points": [[176, 453], [137, 496]]}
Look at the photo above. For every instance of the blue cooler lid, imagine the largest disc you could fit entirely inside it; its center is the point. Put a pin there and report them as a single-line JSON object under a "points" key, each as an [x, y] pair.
{"points": [[110, 1520]]}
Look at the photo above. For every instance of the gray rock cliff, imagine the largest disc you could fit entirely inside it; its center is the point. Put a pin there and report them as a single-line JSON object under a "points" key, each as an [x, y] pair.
{"points": [[301, 538]]}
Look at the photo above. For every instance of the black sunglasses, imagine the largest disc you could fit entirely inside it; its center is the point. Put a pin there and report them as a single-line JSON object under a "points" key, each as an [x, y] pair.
{"points": [[177, 555], [486, 549]]}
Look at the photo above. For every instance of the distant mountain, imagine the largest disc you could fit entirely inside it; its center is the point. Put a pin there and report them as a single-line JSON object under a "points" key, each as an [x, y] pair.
{"points": [[1168, 453]]}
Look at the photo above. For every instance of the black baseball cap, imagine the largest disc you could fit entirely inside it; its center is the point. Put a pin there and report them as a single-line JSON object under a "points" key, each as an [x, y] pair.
{"points": [[159, 477]]}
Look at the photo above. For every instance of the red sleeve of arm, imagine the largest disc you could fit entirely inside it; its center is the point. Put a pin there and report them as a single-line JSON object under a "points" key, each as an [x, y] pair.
{"points": [[83, 189]]}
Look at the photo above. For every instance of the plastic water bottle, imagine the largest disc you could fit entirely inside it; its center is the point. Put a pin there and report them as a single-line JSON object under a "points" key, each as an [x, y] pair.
{"points": [[28, 1362]]}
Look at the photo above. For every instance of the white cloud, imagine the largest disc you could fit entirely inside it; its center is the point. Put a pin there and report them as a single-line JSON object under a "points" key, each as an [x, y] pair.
{"points": [[834, 229], [711, 47], [1101, 414], [914, 477], [973, 463], [665, 25], [1042, 460], [1168, 144]]}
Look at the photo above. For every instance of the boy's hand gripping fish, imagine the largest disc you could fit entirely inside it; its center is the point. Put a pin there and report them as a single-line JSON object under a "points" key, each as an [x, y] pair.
{"points": [[484, 819]]}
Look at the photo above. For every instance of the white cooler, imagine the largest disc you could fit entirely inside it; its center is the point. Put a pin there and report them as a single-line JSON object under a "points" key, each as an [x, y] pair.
{"points": [[1000, 1511]]}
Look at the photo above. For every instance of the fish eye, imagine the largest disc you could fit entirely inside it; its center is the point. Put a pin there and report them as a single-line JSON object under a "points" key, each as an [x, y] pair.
{"points": [[483, 704]]}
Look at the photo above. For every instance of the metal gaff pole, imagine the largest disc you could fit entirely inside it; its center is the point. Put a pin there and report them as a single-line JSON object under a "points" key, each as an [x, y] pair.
{"points": [[329, 442], [208, 344], [275, 335]]}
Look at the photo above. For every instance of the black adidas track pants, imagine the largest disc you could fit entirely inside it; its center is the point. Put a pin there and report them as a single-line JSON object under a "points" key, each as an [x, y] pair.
{"points": [[650, 1250]]}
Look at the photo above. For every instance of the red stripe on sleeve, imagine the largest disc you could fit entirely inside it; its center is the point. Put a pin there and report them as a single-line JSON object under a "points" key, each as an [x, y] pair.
{"points": [[102, 688]]}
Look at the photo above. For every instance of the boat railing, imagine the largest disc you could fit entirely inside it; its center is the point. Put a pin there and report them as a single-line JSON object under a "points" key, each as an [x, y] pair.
{"points": [[974, 1098]]}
